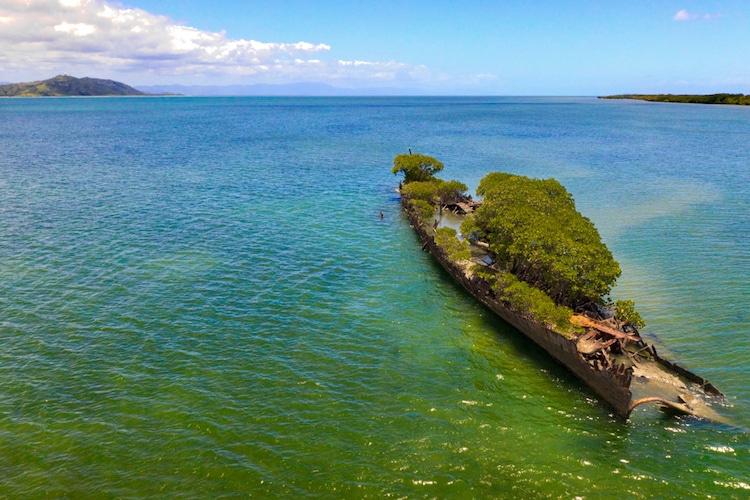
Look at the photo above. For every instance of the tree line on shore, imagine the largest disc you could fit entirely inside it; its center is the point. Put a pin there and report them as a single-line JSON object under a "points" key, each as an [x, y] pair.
{"points": [[736, 99]]}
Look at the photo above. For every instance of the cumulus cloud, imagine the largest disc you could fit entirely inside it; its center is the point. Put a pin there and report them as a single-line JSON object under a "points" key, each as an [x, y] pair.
{"points": [[684, 15], [105, 39], [80, 29]]}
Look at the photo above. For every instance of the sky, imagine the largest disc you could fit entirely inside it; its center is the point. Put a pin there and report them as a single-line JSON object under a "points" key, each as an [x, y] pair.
{"points": [[469, 47]]}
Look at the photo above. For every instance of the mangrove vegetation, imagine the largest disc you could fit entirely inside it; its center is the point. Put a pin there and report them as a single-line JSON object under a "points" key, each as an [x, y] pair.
{"points": [[547, 259], [533, 228]]}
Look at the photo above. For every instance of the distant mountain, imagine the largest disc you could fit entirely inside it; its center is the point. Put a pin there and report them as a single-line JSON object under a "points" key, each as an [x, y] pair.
{"points": [[64, 85], [261, 89]]}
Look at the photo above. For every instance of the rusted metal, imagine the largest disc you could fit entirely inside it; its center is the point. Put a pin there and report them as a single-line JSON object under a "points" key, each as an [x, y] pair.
{"points": [[589, 323]]}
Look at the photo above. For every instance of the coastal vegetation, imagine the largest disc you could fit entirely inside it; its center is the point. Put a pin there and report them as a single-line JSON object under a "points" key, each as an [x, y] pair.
{"points": [[68, 86], [416, 167], [736, 99], [435, 192], [533, 302], [625, 311], [447, 239], [533, 228], [548, 260], [424, 192]]}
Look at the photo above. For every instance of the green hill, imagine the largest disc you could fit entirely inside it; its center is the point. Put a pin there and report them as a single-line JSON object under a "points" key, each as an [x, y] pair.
{"points": [[63, 86]]}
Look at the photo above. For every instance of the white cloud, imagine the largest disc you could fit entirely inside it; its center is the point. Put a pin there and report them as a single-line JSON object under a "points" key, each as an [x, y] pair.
{"points": [[80, 29], [72, 3], [684, 15], [96, 38]]}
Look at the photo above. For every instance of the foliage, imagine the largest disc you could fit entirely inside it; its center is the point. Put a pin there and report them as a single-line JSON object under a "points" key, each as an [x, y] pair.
{"points": [[450, 191], [625, 311], [435, 191], [534, 302], [416, 167], [446, 238], [424, 210], [740, 99], [537, 234], [421, 190]]}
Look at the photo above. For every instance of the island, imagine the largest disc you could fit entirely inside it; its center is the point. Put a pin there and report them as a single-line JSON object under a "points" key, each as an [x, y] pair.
{"points": [[735, 99], [69, 86], [527, 254]]}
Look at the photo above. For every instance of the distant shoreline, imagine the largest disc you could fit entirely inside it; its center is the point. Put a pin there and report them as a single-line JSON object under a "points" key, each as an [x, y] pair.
{"points": [[89, 96], [732, 99], [70, 86]]}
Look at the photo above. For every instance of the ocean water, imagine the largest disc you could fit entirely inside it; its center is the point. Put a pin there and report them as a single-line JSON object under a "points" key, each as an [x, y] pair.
{"points": [[199, 299]]}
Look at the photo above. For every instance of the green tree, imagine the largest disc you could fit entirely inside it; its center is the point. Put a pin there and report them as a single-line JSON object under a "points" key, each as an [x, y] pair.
{"points": [[531, 301], [424, 210], [625, 312], [436, 192], [450, 192], [421, 190], [447, 239], [537, 234], [416, 167]]}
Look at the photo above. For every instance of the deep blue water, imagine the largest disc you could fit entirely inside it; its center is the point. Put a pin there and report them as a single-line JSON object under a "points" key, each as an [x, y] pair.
{"points": [[198, 299]]}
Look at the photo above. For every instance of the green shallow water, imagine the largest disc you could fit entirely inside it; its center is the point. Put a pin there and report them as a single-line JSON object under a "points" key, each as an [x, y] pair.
{"points": [[198, 299]]}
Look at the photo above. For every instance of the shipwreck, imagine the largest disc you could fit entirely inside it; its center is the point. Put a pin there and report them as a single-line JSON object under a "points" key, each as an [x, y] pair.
{"points": [[603, 351]]}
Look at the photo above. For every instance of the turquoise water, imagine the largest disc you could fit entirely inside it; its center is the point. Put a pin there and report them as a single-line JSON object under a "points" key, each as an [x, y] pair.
{"points": [[198, 299]]}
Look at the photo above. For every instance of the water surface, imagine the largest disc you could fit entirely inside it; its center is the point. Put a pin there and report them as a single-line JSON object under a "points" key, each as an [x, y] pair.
{"points": [[199, 299]]}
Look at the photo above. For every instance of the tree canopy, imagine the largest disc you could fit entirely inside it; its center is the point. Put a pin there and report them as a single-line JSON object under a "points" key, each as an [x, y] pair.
{"points": [[534, 229], [450, 191], [424, 192], [436, 192], [416, 167], [447, 239], [421, 190]]}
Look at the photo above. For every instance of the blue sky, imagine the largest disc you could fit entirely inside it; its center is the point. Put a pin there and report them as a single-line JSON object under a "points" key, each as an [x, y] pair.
{"points": [[433, 47]]}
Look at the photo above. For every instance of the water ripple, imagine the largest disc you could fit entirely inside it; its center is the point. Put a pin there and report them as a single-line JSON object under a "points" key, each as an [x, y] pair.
{"points": [[198, 298]]}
